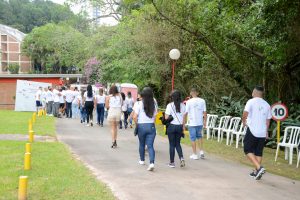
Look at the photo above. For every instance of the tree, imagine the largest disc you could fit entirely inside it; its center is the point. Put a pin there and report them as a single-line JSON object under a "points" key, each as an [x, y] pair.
{"points": [[55, 47]]}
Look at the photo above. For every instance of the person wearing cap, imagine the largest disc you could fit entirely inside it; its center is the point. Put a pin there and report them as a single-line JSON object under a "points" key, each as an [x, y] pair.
{"points": [[256, 116]]}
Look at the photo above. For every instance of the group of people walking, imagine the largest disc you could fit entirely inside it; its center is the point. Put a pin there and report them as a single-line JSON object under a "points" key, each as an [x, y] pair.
{"points": [[122, 110]]}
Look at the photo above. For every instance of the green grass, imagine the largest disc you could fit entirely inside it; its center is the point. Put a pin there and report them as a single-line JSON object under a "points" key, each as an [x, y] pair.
{"points": [[54, 175], [13, 122], [281, 167]]}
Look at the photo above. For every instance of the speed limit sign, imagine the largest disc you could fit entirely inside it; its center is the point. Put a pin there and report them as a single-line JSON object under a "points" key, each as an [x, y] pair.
{"points": [[279, 112]]}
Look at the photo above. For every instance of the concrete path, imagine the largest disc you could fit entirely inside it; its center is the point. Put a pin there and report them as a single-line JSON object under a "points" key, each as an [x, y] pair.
{"points": [[211, 178]]}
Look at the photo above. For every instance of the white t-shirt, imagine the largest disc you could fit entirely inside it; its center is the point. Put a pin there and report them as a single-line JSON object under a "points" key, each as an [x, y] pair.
{"points": [[138, 108], [115, 101], [76, 95], [258, 113], [195, 108], [100, 99], [70, 95], [130, 102], [88, 98], [62, 97], [125, 105], [38, 95], [49, 96], [56, 95], [178, 116]]}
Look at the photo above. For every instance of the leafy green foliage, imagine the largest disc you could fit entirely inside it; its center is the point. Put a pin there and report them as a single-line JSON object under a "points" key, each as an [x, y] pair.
{"points": [[14, 68], [55, 46], [25, 15]]}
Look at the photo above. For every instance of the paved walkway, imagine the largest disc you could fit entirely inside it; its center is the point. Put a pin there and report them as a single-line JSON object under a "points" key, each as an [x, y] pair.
{"points": [[211, 178]]}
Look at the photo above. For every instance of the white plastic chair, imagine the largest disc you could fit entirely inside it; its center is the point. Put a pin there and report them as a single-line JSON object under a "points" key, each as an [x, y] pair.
{"points": [[210, 124], [224, 121], [240, 134], [291, 140], [233, 126]]}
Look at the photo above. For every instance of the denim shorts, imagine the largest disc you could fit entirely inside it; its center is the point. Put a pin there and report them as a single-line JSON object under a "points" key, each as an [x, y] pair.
{"points": [[195, 132]]}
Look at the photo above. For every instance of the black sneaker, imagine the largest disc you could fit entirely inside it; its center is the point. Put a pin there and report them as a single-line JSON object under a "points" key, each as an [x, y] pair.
{"points": [[252, 174], [259, 173]]}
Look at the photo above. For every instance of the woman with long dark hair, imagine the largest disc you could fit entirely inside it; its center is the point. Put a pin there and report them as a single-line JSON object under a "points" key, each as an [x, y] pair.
{"points": [[176, 109], [114, 104], [89, 101], [144, 114]]}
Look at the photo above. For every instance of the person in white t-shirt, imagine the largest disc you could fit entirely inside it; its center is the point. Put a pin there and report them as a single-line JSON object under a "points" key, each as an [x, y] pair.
{"points": [[100, 100], [257, 116], [69, 97], [124, 115], [49, 100], [75, 103], [43, 97], [56, 103], [38, 95], [144, 113], [130, 103], [176, 109], [114, 104], [89, 104], [62, 101], [196, 112]]}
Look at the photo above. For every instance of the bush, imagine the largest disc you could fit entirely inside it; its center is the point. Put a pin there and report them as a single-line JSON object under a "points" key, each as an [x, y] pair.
{"points": [[14, 68]]}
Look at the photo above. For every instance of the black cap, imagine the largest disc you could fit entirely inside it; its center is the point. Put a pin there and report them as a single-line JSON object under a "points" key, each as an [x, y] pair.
{"points": [[259, 88]]}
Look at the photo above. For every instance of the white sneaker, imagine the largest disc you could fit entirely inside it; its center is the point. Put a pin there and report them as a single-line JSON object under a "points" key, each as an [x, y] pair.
{"points": [[151, 167], [141, 162], [87, 125], [194, 157]]}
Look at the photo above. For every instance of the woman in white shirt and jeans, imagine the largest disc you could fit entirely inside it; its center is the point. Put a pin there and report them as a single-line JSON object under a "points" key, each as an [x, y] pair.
{"points": [[113, 104], [175, 130], [100, 99], [144, 113]]}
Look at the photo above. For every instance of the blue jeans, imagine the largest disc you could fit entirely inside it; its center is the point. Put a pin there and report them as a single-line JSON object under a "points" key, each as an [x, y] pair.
{"points": [[195, 133], [129, 111], [69, 110], [174, 135], [100, 113], [75, 110], [82, 114], [146, 134]]}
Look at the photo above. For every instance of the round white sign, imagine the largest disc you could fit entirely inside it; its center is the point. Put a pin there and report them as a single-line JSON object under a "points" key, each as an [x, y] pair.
{"points": [[279, 112]]}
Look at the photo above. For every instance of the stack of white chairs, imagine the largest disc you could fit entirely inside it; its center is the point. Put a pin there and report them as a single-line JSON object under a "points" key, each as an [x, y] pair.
{"points": [[210, 124], [223, 124], [233, 126], [291, 140], [240, 134]]}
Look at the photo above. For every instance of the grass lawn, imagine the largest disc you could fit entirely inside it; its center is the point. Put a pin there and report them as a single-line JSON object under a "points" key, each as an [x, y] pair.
{"points": [[13, 122], [281, 167], [54, 175]]}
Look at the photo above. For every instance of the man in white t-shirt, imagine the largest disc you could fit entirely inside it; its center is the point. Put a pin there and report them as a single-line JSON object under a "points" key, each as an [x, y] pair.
{"points": [[257, 116], [56, 98], [49, 100], [70, 95], [196, 112], [38, 95]]}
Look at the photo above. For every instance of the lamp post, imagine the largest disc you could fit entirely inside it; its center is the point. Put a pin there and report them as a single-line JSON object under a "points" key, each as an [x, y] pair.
{"points": [[174, 55]]}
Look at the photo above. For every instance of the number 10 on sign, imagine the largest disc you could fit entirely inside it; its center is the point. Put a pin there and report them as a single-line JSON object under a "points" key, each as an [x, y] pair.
{"points": [[279, 113]]}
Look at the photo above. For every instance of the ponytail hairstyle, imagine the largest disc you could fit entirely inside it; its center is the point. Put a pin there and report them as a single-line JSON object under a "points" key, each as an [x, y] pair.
{"points": [[113, 90], [148, 101], [123, 96], [89, 90], [176, 98]]}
